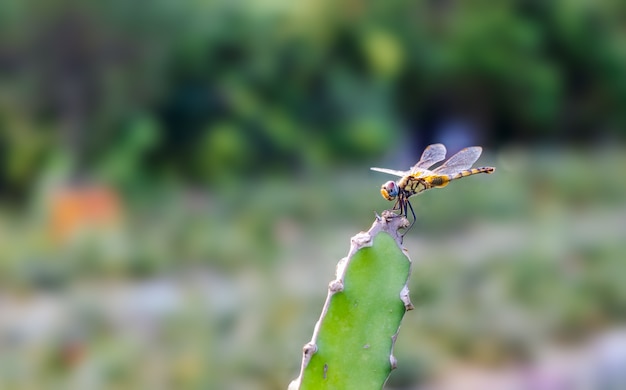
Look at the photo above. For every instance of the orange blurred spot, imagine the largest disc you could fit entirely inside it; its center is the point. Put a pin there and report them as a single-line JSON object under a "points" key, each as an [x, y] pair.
{"points": [[92, 208]]}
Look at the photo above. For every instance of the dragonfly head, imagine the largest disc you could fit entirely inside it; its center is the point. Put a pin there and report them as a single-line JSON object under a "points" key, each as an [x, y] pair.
{"points": [[389, 190]]}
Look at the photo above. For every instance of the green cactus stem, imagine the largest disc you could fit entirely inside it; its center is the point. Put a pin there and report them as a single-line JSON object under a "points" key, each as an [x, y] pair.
{"points": [[352, 343]]}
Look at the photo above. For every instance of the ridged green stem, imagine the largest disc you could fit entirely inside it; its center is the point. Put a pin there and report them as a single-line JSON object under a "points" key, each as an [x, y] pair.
{"points": [[352, 344]]}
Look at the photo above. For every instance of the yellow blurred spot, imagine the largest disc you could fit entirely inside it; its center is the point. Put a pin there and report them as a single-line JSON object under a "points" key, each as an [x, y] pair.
{"points": [[384, 53]]}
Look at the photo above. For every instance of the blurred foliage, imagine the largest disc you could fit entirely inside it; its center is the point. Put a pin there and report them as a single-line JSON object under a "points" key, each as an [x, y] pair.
{"points": [[254, 87]]}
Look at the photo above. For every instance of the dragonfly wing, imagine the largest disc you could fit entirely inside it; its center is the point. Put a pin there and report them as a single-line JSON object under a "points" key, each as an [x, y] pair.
{"points": [[389, 171], [432, 155], [461, 161]]}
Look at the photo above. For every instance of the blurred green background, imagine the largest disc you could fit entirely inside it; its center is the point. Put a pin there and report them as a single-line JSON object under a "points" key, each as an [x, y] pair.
{"points": [[179, 178]]}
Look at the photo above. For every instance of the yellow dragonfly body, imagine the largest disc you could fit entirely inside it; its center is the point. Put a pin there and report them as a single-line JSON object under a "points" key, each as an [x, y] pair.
{"points": [[420, 178]]}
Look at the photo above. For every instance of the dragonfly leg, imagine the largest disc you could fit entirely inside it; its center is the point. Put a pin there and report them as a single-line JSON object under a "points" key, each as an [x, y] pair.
{"points": [[404, 205], [412, 212]]}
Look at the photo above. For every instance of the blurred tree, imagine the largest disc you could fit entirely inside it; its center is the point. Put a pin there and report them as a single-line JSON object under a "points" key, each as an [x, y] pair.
{"points": [[301, 85]]}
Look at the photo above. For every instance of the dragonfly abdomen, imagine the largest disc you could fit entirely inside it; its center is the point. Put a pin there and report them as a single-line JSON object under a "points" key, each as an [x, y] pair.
{"points": [[438, 181], [472, 171]]}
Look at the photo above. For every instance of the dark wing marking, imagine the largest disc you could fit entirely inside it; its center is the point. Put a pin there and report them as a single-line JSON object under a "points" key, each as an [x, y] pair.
{"points": [[389, 171], [461, 161], [432, 155]]}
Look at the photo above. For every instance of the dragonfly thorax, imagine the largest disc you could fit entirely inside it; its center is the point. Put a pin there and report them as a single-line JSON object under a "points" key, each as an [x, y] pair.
{"points": [[389, 190]]}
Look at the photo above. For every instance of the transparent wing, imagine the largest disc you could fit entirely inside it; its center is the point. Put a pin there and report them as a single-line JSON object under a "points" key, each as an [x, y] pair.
{"points": [[461, 161], [432, 155], [389, 171]]}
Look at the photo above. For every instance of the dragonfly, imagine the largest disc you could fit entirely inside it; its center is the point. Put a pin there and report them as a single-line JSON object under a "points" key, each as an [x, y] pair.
{"points": [[420, 178]]}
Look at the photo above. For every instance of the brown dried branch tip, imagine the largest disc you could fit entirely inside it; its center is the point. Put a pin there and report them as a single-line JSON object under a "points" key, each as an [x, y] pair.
{"points": [[391, 223]]}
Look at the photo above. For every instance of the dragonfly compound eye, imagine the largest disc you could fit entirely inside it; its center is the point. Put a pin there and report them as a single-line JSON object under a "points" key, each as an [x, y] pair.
{"points": [[389, 190]]}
